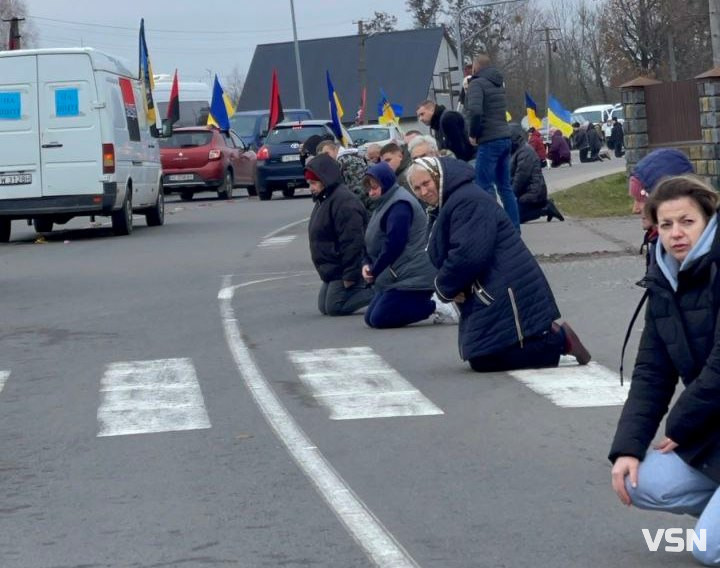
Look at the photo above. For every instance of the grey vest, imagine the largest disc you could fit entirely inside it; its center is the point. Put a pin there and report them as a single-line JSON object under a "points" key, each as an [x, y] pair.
{"points": [[412, 270]]}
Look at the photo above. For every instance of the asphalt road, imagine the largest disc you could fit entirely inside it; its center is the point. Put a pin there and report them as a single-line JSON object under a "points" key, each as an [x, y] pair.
{"points": [[259, 475]]}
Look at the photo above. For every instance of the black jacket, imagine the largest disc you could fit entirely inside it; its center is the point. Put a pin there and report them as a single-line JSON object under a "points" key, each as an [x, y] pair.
{"points": [[593, 139], [337, 225], [526, 174], [478, 251], [485, 106], [681, 338], [617, 136], [448, 128]]}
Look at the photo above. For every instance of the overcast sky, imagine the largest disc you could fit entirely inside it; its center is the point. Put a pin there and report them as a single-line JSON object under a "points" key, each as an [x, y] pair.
{"points": [[200, 38]]}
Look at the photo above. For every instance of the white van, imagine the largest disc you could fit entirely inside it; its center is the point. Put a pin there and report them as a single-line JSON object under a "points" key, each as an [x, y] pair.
{"points": [[599, 114], [74, 141], [194, 100]]}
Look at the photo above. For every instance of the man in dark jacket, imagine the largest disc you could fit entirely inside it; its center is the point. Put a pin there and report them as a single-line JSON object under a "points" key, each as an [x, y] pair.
{"points": [[507, 309], [337, 232], [448, 128], [617, 138], [528, 182], [399, 160], [485, 112]]}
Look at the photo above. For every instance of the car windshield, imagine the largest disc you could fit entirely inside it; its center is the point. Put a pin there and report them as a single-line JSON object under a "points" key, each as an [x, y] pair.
{"points": [[187, 140], [243, 125], [294, 134], [192, 113], [364, 135]]}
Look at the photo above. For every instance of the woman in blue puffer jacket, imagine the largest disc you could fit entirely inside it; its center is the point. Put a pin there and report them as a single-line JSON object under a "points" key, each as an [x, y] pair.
{"points": [[507, 309]]}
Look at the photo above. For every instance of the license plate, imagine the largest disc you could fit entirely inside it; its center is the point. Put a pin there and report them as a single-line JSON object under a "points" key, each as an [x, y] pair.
{"points": [[15, 179], [291, 158], [181, 177]]}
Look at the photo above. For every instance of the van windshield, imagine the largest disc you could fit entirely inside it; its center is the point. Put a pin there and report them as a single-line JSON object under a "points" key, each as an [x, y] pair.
{"points": [[192, 113], [187, 139], [243, 125]]}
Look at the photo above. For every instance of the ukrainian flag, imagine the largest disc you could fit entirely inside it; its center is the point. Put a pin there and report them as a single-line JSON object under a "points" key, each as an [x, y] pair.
{"points": [[146, 77], [531, 110], [336, 110], [221, 108], [388, 113], [559, 117]]}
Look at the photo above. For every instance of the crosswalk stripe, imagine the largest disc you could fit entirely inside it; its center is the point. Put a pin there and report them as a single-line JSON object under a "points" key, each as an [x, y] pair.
{"points": [[356, 383], [276, 242], [574, 386], [140, 397], [4, 376]]}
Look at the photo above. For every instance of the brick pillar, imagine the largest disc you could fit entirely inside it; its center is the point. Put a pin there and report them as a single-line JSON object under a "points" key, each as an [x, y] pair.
{"points": [[709, 98], [635, 127]]}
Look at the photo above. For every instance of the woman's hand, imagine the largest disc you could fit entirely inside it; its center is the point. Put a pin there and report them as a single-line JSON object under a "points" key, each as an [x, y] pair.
{"points": [[460, 298], [666, 446], [624, 466], [367, 274]]}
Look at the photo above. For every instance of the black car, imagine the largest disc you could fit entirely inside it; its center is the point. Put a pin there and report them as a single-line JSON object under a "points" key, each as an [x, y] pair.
{"points": [[279, 167]]}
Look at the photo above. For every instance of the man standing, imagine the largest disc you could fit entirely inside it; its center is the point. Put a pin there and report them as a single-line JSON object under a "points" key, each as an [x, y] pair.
{"points": [[337, 239], [448, 128], [617, 138], [399, 160], [485, 112]]}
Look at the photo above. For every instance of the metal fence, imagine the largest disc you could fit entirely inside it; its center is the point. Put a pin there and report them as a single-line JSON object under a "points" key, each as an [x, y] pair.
{"points": [[673, 113]]}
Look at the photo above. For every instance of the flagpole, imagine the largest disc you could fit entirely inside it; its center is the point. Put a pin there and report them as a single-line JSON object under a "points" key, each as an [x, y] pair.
{"points": [[297, 57]]}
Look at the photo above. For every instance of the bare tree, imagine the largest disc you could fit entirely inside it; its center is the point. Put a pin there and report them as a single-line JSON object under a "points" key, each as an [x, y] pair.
{"points": [[424, 12], [233, 84], [16, 9], [380, 22]]}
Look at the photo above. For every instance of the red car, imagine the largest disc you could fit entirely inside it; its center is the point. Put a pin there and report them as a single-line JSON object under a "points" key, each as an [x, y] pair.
{"points": [[199, 158]]}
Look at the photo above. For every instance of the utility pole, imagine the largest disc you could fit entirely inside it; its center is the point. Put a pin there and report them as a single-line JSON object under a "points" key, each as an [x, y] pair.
{"points": [[301, 89], [14, 40], [548, 54], [715, 30], [362, 66]]}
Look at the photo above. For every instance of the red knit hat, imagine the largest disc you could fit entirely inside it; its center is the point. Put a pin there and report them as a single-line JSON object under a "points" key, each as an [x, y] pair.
{"points": [[311, 176]]}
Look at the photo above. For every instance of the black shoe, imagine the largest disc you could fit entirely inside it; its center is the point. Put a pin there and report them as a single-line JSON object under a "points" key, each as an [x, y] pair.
{"points": [[553, 211]]}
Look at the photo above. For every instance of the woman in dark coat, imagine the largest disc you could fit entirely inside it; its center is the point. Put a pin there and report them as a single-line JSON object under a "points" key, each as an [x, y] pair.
{"points": [[528, 181], [559, 153], [507, 309], [681, 338]]}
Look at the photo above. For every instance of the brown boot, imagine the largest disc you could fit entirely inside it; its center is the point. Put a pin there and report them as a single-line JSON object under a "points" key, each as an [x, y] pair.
{"points": [[573, 345]]}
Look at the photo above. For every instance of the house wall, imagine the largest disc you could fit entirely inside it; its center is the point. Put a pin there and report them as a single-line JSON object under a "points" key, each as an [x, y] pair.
{"points": [[447, 78]]}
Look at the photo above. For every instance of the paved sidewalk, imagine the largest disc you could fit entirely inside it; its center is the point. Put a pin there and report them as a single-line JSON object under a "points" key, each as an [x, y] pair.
{"points": [[566, 176]]}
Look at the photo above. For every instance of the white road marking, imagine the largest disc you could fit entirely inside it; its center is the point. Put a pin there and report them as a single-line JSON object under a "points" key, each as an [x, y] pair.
{"points": [[285, 228], [377, 542], [151, 396], [277, 242], [4, 376], [356, 382], [574, 386]]}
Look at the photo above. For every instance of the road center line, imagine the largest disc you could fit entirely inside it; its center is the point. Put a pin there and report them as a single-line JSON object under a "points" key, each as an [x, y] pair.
{"points": [[377, 542], [4, 376]]}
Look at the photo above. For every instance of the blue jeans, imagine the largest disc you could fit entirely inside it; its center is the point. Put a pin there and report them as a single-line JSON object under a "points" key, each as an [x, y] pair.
{"points": [[398, 308], [492, 169], [667, 483]]}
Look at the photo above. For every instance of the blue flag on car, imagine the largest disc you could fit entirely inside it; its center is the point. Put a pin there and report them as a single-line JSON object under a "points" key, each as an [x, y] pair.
{"points": [[218, 107], [336, 110]]}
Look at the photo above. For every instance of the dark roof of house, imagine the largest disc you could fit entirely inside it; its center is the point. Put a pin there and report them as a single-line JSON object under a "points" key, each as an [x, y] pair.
{"points": [[401, 63]]}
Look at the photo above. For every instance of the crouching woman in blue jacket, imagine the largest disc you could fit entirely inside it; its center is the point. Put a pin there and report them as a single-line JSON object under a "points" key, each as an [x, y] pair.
{"points": [[681, 338], [507, 309], [396, 263]]}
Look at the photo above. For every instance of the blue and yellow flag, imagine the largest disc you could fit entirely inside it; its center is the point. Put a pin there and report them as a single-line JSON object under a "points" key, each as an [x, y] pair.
{"points": [[388, 113], [146, 77], [336, 111], [531, 110], [559, 117], [221, 108]]}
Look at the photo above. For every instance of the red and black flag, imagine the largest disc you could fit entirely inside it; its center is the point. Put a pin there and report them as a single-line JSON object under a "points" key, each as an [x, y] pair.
{"points": [[173, 107], [276, 109], [131, 113]]}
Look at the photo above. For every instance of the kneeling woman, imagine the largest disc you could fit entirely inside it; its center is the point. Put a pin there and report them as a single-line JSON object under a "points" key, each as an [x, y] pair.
{"points": [[506, 305], [396, 262], [680, 339]]}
